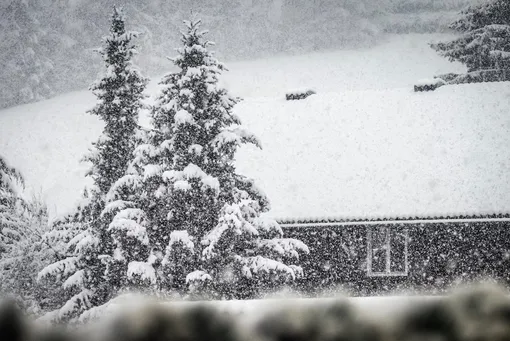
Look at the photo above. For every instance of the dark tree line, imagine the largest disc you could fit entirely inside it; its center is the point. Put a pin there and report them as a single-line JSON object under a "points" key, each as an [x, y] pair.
{"points": [[46, 46]]}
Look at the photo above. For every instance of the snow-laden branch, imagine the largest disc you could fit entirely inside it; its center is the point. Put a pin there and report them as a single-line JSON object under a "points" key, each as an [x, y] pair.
{"points": [[63, 268], [191, 171], [256, 265], [141, 270], [285, 247]]}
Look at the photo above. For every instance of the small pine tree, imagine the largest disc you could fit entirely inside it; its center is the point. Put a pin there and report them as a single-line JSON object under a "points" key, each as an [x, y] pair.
{"points": [[87, 274], [485, 40], [183, 181]]}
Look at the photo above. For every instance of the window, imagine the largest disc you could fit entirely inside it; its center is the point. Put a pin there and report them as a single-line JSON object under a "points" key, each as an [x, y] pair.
{"points": [[387, 251]]}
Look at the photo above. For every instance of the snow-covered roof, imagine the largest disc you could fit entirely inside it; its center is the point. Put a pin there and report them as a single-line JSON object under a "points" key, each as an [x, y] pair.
{"points": [[341, 221], [387, 153]]}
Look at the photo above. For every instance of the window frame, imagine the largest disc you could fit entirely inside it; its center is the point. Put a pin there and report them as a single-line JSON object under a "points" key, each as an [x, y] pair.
{"points": [[387, 272]]}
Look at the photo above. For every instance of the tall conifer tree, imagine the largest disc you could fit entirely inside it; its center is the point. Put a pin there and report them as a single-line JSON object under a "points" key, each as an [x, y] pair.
{"points": [[182, 197], [86, 272]]}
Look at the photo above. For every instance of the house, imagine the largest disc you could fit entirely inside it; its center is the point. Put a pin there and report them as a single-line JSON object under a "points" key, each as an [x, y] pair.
{"points": [[370, 257], [376, 158]]}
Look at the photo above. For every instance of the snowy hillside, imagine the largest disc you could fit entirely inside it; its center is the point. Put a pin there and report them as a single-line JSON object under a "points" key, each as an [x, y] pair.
{"points": [[46, 46], [365, 145]]}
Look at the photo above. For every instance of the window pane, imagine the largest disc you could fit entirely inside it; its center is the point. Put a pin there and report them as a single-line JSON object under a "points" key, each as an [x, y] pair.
{"points": [[397, 252], [379, 246]]}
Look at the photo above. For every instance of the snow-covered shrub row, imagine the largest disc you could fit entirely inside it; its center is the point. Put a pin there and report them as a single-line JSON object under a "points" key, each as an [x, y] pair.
{"points": [[479, 76], [489, 75], [478, 313], [299, 94], [428, 84]]}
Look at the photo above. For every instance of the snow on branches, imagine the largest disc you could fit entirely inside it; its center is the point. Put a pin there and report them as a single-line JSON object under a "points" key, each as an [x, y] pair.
{"points": [[93, 263], [193, 211], [120, 94], [240, 235], [23, 248], [142, 271], [484, 44], [64, 267]]}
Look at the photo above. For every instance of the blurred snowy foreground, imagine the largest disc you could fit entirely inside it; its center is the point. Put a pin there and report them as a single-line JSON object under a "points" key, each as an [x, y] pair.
{"points": [[364, 146], [378, 306], [248, 310], [479, 313]]}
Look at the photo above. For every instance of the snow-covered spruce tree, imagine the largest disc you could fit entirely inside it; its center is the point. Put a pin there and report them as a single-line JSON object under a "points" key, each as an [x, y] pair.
{"points": [[120, 95], [87, 275], [182, 200], [485, 41]]}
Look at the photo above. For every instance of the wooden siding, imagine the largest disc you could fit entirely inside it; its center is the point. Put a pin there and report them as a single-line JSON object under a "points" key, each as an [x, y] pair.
{"points": [[441, 253]]}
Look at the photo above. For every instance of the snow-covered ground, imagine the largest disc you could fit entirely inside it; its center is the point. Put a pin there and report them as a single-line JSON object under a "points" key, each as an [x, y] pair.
{"points": [[378, 308], [398, 62], [364, 145]]}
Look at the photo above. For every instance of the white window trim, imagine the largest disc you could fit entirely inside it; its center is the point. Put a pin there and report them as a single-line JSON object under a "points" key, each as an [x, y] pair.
{"points": [[387, 271]]}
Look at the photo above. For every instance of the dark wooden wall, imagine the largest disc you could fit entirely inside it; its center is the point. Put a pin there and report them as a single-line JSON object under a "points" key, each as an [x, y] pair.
{"points": [[440, 254]]}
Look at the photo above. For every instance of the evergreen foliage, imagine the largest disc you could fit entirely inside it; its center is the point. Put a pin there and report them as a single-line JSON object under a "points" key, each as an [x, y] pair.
{"points": [[11, 204], [23, 251], [484, 44], [84, 233], [180, 197], [120, 94]]}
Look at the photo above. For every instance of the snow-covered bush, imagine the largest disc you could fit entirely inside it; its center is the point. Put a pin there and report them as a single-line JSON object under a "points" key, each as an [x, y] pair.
{"points": [[23, 250], [299, 94], [428, 84]]}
